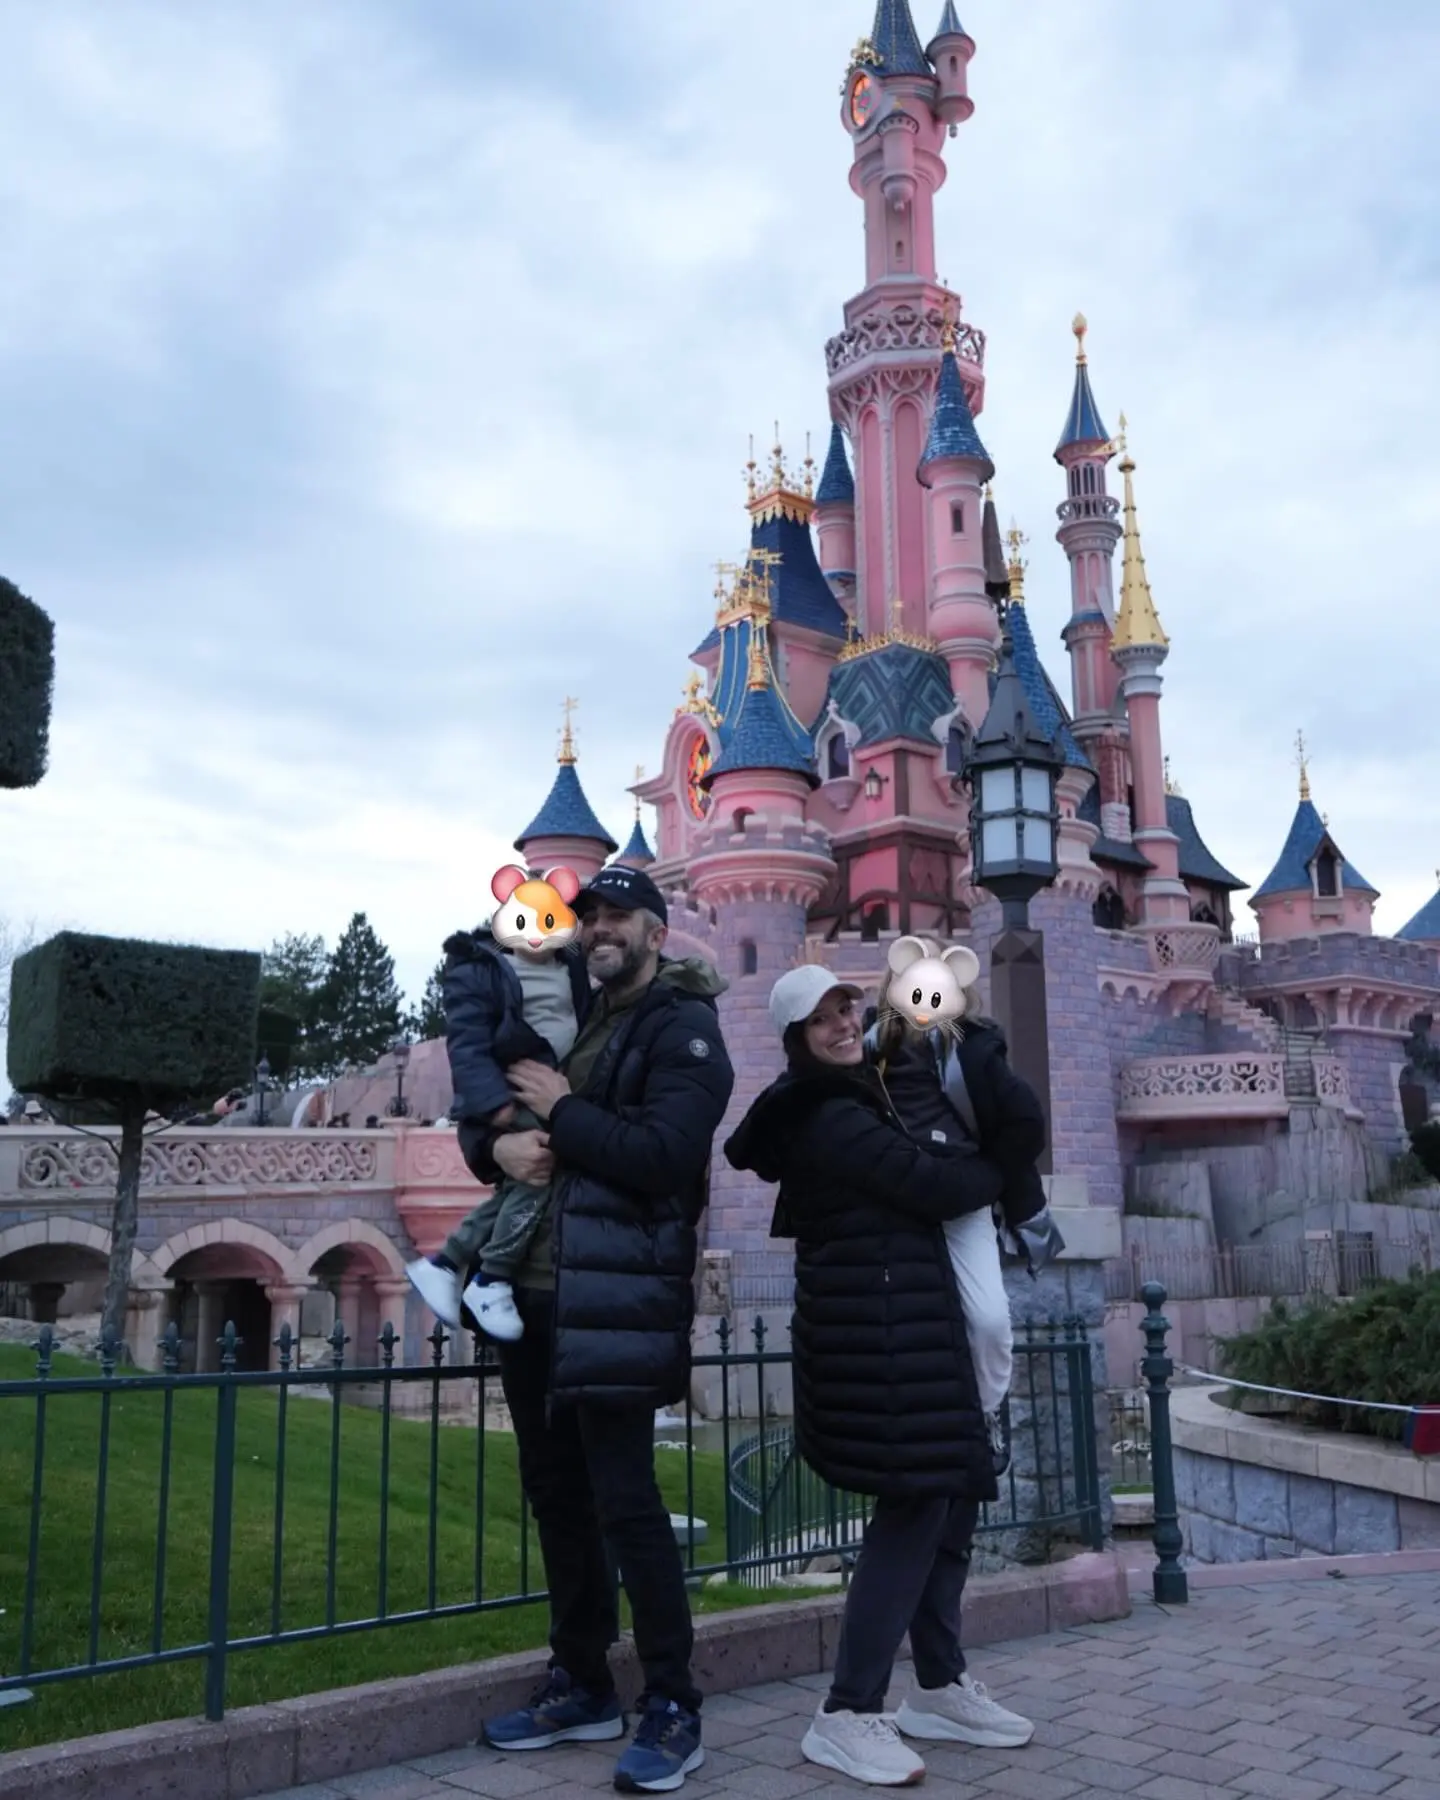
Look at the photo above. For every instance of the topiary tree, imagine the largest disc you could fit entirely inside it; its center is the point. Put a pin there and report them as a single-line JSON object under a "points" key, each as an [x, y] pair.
{"points": [[27, 679], [112, 1029]]}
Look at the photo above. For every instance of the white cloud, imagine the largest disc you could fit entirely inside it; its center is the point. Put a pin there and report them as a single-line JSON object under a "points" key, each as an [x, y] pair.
{"points": [[365, 390]]}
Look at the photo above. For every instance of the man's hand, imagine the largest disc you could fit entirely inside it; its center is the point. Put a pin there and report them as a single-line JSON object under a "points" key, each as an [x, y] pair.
{"points": [[525, 1156], [538, 1087]]}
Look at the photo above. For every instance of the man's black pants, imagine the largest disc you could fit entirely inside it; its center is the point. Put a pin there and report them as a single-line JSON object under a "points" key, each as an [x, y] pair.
{"points": [[589, 1475]]}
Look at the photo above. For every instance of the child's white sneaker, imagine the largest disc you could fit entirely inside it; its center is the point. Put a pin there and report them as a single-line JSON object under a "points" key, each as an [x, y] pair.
{"points": [[438, 1288], [492, 1306]]}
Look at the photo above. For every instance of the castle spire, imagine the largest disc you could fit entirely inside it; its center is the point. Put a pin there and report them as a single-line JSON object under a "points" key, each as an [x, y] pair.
{"points": [[1083, 424], [895, 40], [567, 734], [1303, 760], [952, 425], [837, 484], [997, 577], [1015, 541], [1136, 620], [949, 26]]}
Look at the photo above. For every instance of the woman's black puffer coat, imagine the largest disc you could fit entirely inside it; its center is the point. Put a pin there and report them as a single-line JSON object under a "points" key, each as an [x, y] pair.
{"points": [[885, 1395]]}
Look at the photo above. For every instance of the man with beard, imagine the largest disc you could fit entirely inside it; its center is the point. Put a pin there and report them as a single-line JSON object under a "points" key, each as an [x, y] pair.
{"points": [[607, 1299]]}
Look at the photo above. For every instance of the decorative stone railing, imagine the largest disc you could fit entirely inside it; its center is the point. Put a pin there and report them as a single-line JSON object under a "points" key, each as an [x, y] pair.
{"points": [[1184, 950], [1087, 506], [901, 326], [1332, 1084], [36, 1164], [1202, 1087]]}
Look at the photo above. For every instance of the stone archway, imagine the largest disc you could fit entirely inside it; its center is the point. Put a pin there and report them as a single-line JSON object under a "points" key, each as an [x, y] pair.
{"points": [[362, 1275], [224, 1272], [55, 1267]]}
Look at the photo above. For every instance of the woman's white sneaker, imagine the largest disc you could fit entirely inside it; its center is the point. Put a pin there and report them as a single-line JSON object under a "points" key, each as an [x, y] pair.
{"points": [[962, 1713], [864, 1746]]}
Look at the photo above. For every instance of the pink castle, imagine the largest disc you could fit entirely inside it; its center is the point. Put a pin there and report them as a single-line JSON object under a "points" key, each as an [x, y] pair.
{"points": [[809, 805]]}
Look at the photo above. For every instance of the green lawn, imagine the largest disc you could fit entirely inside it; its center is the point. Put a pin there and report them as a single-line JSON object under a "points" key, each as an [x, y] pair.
{"points": [[463, 1460]]}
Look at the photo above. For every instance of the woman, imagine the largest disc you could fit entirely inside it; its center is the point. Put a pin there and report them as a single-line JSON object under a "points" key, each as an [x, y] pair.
{"points": [[886, 1401]]}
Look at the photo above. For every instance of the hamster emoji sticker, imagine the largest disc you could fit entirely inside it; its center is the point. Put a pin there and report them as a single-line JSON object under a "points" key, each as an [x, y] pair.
{"points": [[927, 986], [534, 916]]}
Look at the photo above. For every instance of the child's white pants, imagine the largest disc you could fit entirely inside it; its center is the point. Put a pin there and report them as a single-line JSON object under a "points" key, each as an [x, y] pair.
{"points": [[975, 1258]]}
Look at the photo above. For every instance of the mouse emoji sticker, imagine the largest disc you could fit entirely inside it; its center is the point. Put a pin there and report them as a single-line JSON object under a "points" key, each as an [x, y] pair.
{"points": [[927, 986], [534, 917]]}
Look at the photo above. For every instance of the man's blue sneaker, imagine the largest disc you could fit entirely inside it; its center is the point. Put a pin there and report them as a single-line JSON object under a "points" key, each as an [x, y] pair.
{"points": [[558, 1713], [666, 1748]]}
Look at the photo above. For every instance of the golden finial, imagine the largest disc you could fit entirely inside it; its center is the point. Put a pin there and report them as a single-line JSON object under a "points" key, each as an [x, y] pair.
{"points": [[950, 324], [989, 491], [759, 674], [1171, 785], [1080, 327], [865, 53], [639, 777], [778, 476], [1137, 623], [567, 735], [1303, 760], [808, 487], [896, 619], [1118, 446], [751, 484]]}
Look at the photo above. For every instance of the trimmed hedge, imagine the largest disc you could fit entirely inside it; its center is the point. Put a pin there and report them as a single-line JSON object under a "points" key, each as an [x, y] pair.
{"points": [[1383, 1345], [113, 1019], [27, 681]]}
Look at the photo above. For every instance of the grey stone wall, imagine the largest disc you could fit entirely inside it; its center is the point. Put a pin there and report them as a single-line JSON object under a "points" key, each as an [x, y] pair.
{"points": [[1233, 1512]]}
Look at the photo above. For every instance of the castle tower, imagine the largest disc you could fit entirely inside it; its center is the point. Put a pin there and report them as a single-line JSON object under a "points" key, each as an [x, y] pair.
{"points": [[1139, 646], [759, 867], [565, 830], [637, 854], [1312, 889], [1088, 534], [955, 468], [835, 518], [1424, 928], [884, 366]]}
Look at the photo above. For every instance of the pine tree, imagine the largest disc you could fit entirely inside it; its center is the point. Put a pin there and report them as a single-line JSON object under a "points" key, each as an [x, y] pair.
{"points": [[429, 1017], [358, 1006], [294, 971]]}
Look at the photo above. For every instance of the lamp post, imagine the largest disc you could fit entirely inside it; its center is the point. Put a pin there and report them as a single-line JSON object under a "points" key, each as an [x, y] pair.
{"points": [[262, 1086], [399, 1106], [1012, 770]]}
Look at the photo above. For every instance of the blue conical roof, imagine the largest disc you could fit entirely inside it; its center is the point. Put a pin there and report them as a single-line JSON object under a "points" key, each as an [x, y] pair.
{"points": [[949, 26], [799, 592], [1083, 424], [637, 850], [1291, 873], [1045, 703], [763, 738], [566, 813], [897, 41], [1424, 928], [837, 484], [952, 426]]}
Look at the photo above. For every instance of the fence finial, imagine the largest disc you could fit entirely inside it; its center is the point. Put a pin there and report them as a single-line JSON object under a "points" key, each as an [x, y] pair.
{"points": [[1172, 1588]]}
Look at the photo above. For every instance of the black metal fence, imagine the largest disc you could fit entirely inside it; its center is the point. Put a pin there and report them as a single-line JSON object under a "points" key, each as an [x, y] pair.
{"points": [[151, 1519]]}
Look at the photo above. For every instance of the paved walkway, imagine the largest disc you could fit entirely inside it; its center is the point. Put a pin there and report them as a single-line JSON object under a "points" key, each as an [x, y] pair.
{"points": [[1291, 1691]]}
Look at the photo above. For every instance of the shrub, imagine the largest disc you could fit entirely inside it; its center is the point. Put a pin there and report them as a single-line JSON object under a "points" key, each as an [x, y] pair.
{"points": [[27, 679], [1383, 1346], [1425, 1142], [113, 1027]]}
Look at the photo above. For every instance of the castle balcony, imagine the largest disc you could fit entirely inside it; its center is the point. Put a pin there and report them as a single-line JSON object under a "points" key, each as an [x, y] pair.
{"points": [[1184, 952], [1155, 1089], [1087, 506]]}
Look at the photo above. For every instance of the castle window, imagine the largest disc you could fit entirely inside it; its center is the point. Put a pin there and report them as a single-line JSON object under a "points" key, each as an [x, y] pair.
{"points": [[954, 65], [1327, 875], [1089, 479], [749, 959], [739, 816], [837, 757], [957, 521], [1109, 910], [956, 749], [876, 919], [1074, 481], [1203, 915]]}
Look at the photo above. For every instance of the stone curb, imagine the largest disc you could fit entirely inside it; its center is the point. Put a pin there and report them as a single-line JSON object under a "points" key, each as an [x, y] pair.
{"points": [[318, 1737]]}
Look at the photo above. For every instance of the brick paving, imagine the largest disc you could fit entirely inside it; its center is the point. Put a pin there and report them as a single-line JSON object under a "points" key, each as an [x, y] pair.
{"points": [[1301, 1691]]}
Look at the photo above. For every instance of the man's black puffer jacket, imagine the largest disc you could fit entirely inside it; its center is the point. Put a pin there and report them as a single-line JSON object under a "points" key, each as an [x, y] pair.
{"points": [[632, 1155], [885, 1394]]}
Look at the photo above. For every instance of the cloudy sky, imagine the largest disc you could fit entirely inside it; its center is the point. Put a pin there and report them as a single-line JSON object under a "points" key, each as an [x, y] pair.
{"points": [[373, 373]]}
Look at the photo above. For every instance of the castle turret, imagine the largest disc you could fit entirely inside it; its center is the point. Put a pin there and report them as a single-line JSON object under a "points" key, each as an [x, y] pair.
{"points": [[955, 468], [1088, 533], [1139, 646], [637, 854], [565, 830], [1312, 889], [835, 518], [1424, 928], [950, 51]]}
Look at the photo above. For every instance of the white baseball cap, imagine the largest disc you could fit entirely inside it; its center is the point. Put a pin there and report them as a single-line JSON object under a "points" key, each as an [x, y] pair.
{"points": [[799, 991]]}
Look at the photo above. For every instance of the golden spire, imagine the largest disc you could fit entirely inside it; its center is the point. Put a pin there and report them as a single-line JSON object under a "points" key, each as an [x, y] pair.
{"points": [[752, 486], [1016, 540], [1171, 785], [1303, 760], [950, 325], [1080, 326], [808, 486], [567, 735], [639, 777], [759, 673], [779, 478], [1137, 623]]}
